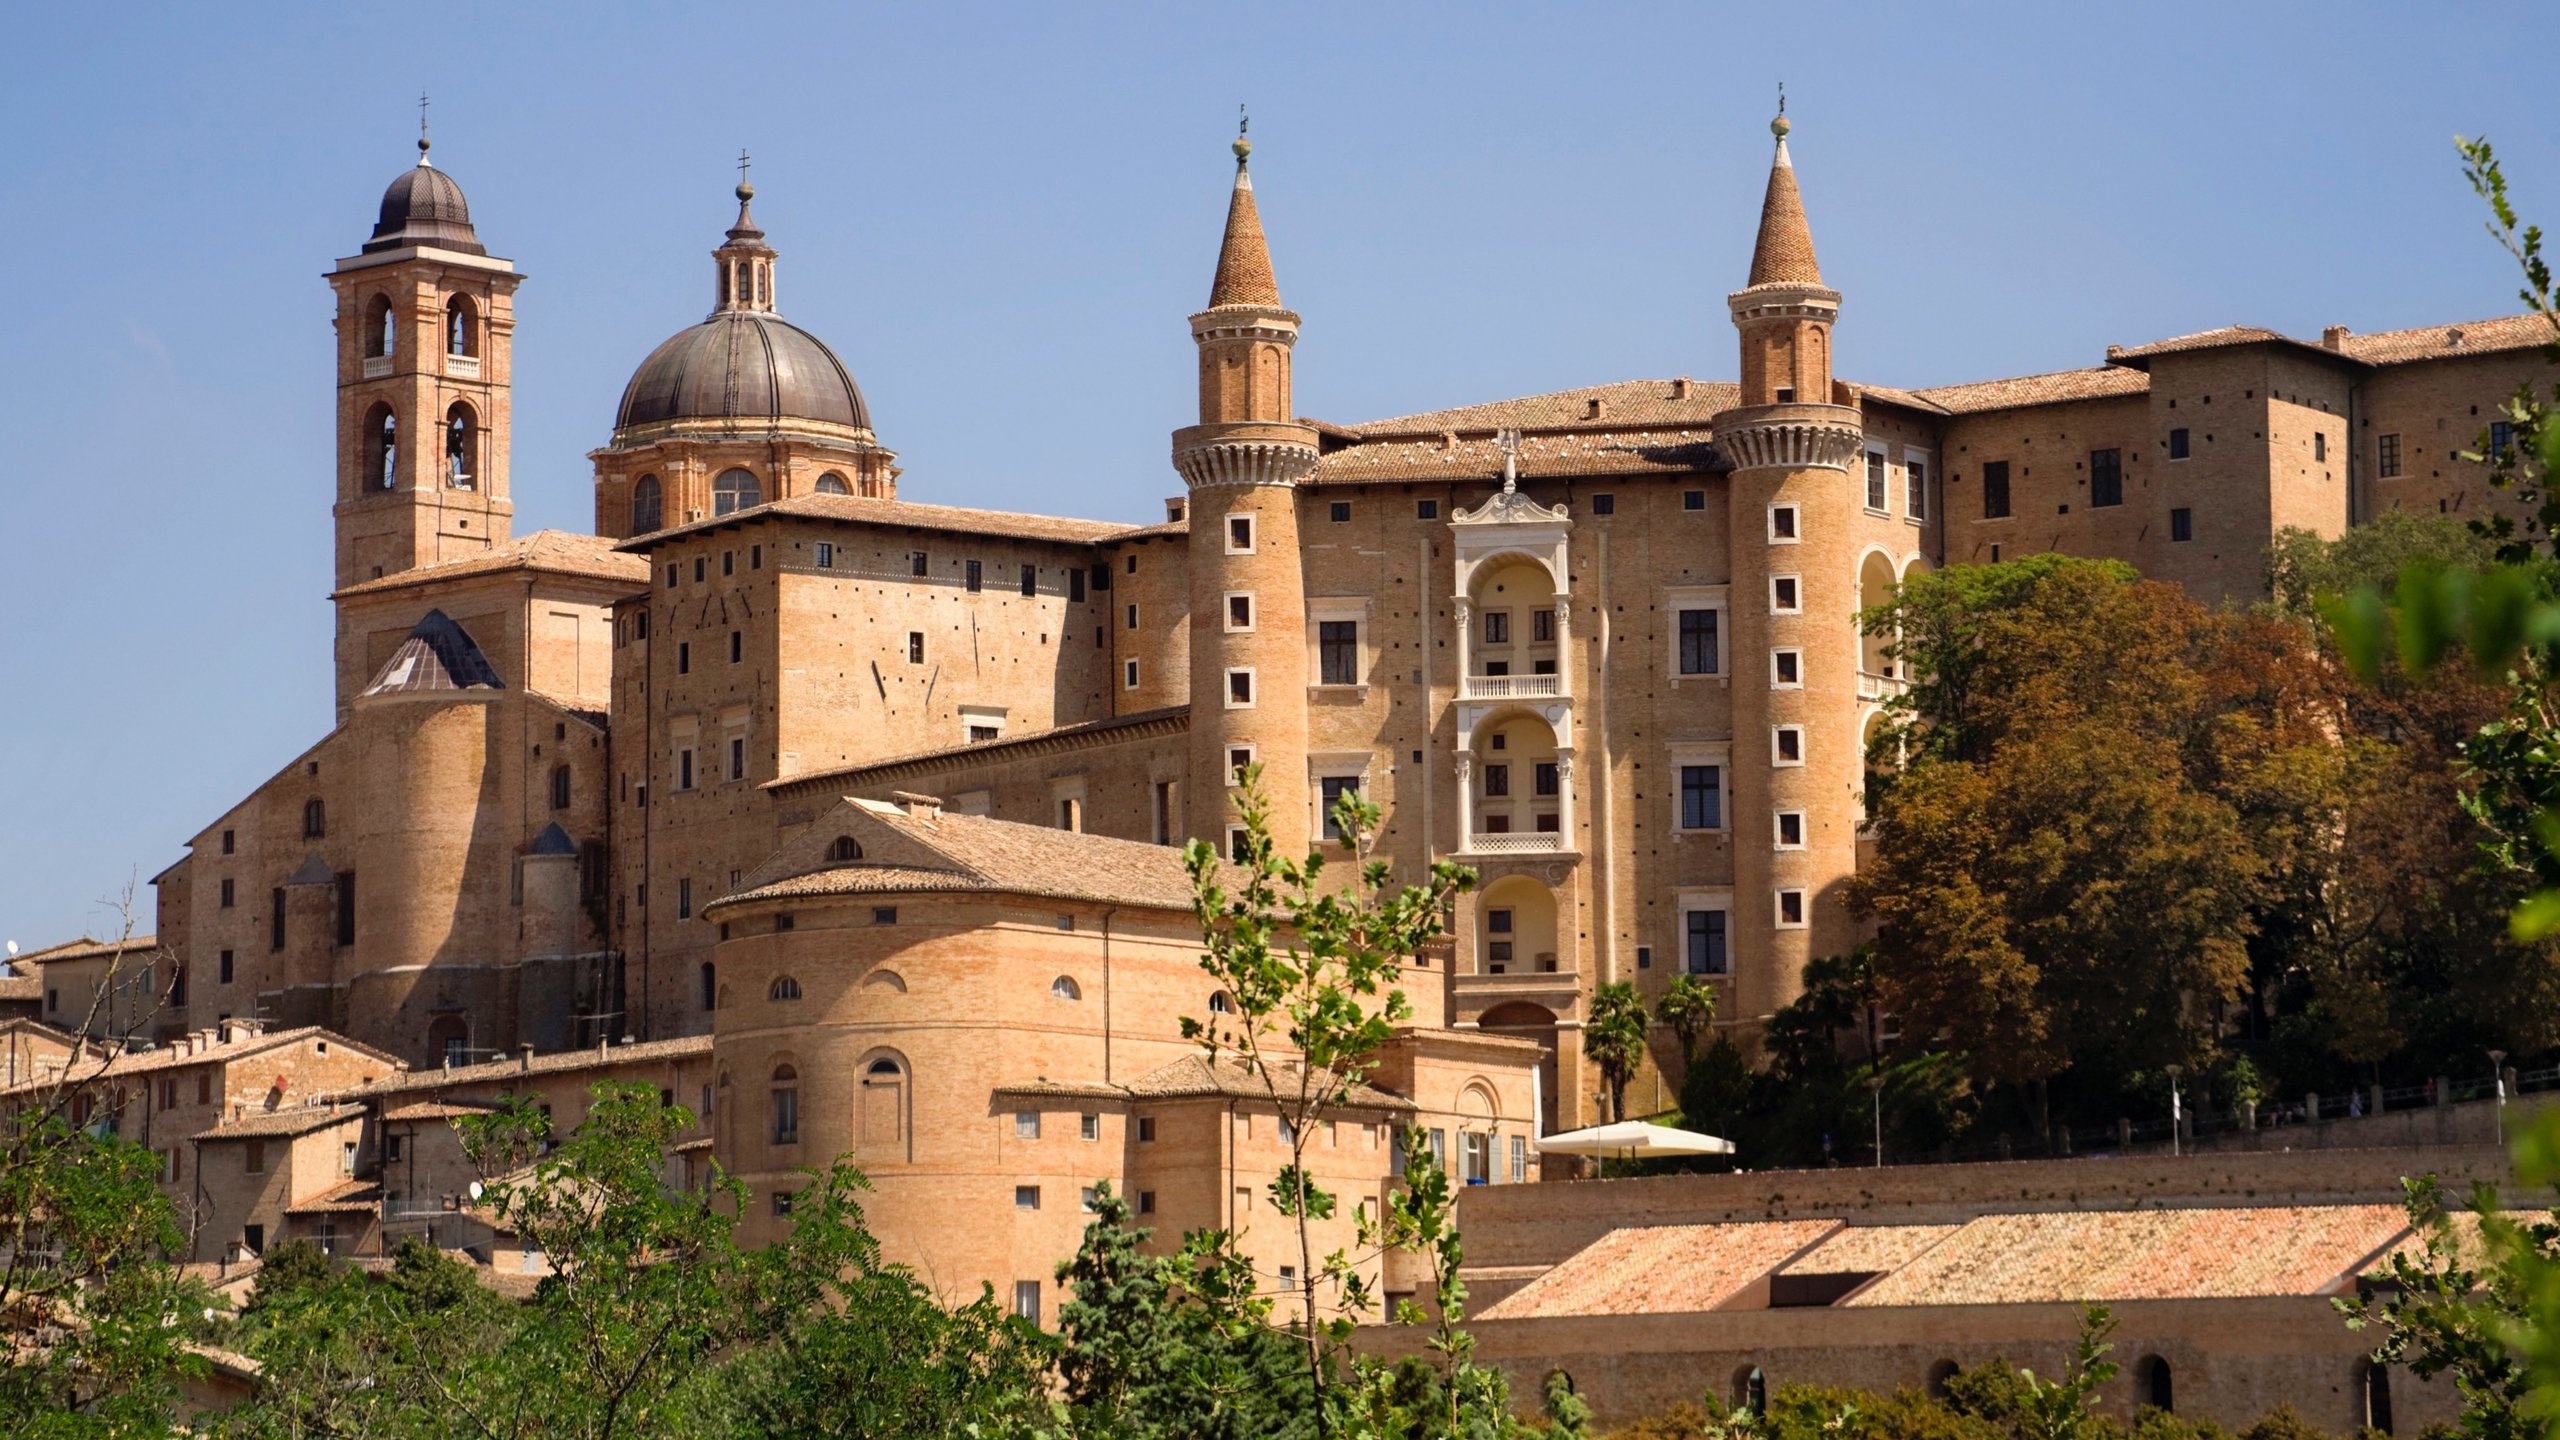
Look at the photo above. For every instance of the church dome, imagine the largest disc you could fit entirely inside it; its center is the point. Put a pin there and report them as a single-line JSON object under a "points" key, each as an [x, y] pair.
{"points": [[743, 365], [424, 207]]}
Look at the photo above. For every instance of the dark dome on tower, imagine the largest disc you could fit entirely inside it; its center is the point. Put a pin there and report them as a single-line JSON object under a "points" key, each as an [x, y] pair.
{"points": [[743, 365], [424, 207]]}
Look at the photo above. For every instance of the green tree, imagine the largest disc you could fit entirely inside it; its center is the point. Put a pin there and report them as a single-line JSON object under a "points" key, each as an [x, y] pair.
{"points": [[1688, 1009], [1613, 1038]]}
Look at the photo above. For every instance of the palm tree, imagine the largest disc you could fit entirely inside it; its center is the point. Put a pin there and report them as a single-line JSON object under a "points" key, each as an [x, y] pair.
{"points": [[1688, 1006], [1613, 1039]]}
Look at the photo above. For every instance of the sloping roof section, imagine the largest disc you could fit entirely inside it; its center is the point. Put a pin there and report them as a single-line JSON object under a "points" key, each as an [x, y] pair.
{"points": [[1868, 1249], [438, 655], [558, 552], [270, 1124], [2117, 1255], [1662, 1269], [1244, 257], [2097, 383], [1195, 1077], [900, 514], [2445, 342]]}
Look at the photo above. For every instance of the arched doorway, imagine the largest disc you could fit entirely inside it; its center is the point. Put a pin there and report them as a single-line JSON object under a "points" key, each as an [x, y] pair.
{"points": [[1876, 584], [1530, 1022]]}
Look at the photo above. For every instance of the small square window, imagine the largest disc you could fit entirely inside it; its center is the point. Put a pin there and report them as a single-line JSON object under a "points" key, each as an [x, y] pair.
{"points": [[1090, 1127], [1785, 595], [884, 915], [1604, 504], [2182, 524], [1239, 612], [1146, 1202], [917, 563], [1026, 1124], [1693, 499], [1239, 689], [1026, 1197], [1783, 529], [1239, 534], [1340, 511], [1426, 509], [1086, 1198], [1238, 757], [1146, 1129], [1790, 829], [782, 1204], [1790, 909], [1786, 669], [1786, 745]]}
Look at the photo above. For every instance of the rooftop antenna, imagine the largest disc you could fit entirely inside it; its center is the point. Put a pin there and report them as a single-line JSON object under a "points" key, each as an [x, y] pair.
{"points": [[423, 142], [1508, 442]]}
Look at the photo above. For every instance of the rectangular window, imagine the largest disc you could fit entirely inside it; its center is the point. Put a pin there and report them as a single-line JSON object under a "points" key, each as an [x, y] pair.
{"points": [[1026, 1197], [755, 557], [1026, 1124], [1693, 499], [737, 758], [1239, 534], [1542, 627], [884, 914], [1698, 642], [2178, 444], [1519, 1159], [1782, 525], [1475, 1161], [1146, 1129], [684, 769], [782, 1204], [1604, 504], [976, 577], [826, 556], [226, 894], [1790, 909], [2182, 524], [1129, 675], [1497, 627], [1239, 612], [1338, 652], [1132, 615], [1237, 758], [1786, 669], [728, 562], [1026, 1300], [1426, 509], [1995, 490], [981, 734], [275, 918], [1239, 689], [2106, 477], [1090, 1126], [2388, 456], [2502, 438], [1786, 595], [1146, 1202], [1340, 511], [1790, 829], [253, 1157], [2319, 444], [1786, 745], [1542, 777], [915, 647], [1332, 788], [346, 908], [918, 563], [226, 967], [671, 577], [1915, 487], [229, 842], [1497, 781], [737, 647], [1875, 480], [1701, 797], [1030, 580], [1075, 583], [684, 657], [684, 898], [1706, 943]]}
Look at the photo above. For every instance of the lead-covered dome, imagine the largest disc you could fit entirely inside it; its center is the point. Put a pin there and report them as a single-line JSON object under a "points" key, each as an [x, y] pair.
{"points": [[424, 207], [747, 366]]}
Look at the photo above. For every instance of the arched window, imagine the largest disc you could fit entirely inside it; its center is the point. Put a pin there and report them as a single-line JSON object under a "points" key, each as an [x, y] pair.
{"points": [[786, 1105], [889, 980], [380, 333], [2373, 1395], [832, 483], [735, 490], [461, 447], [845, 848], [1065, 988], [315, 819], [449, 1040], [461, 330], [884, 1111], [382, 448], [2151, 1383], [559, 787], [646, 505], [710, 986], [784, 988], [1220, 1004], [1750, 1390]]}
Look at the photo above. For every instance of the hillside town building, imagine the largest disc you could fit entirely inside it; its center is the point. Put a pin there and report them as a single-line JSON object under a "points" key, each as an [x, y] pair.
{"points": [[850, 818]]}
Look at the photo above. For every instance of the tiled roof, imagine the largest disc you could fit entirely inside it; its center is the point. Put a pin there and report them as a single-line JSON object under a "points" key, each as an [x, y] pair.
{"points": [[84, 948], [866, 775], [1623, 403], [551, 1064], [930, 848], [1244, 258], [2441, 342], [2214, 339], [265, 1124], [1627, 452], [2144, 1255], [900, 514], [1661, 1269], [1868, 1249], [429, 1110], [2100, 382], [438, 655], [26, 985], [345, 1197], [561, 552], [1194, 1076], [1783, 254], [178, 1056]]}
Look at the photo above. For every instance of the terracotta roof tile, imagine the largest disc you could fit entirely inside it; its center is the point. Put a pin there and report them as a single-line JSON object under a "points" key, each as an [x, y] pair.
{"points": [[1661, 1269], [344, 1198], [900, 514], [172, 1057], [2098, 383], [428, 1110], [1622, 403], [84, 948], [2214, 339], [1868, 1249], [1628, 452], [552, 1064], [2143, 1255], [1244, 257], [27, 986], [297, 1120], [1194, 1076], [560, 552], [1783, 253], [983, 752], [2442, 342]]}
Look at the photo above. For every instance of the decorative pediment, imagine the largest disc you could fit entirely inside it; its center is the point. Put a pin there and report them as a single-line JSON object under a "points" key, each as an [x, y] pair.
{"points": [[1510, 507]]}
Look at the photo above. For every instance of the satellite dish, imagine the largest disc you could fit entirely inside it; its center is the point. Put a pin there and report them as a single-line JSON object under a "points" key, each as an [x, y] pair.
{"points": [[13, 947], [475, 1189]]}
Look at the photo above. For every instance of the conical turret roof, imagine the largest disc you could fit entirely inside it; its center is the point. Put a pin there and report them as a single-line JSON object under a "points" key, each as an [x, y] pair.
{"points": [[1244, 259], [1784, 254]]}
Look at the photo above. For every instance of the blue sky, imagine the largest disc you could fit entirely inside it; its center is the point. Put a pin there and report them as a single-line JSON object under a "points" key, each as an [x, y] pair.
{"points": [[1000, 217]]}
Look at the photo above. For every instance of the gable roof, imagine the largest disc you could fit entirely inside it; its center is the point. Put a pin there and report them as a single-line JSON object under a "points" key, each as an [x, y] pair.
{"points": [[2098, 382], [274, 1124], [438, 655], [177, 1055], [920, 846], [557, 552], [896, 514], [438, 1077], [2445, 342], [1662, 1269], [84, 948], [1197, 1077], [2114, 1255]]}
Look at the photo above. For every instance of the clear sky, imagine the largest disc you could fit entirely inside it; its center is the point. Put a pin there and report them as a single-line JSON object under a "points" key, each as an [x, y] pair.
{"points": [[999, 217]]}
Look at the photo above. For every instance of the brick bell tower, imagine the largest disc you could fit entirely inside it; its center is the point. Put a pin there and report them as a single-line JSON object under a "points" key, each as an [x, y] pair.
{"points": [[1791, 515], [1243, 463], [426, 320]]}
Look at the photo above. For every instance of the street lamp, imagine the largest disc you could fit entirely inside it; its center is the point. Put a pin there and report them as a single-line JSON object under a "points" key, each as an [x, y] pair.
{"points": [[1875, 1087], [2175, 1108], [2498, 1077]]}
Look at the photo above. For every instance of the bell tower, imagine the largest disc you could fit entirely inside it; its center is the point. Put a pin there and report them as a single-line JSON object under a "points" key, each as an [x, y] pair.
{"points": [[1243, 463], [426, 322]]}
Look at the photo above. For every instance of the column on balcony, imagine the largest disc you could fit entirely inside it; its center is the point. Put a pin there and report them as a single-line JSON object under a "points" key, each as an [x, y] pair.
{"points": [[1466, 800], [1564, 795]]}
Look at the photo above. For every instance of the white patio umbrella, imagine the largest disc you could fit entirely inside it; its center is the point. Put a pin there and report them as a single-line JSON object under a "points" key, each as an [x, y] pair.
{"points": [[1632, 1140]]}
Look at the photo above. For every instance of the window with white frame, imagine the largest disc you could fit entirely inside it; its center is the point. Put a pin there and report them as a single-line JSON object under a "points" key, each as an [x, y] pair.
{"points": [[1915, 484], [1784, 525], [1786, 745], [1238, 757], [1696, 630], [1790, 830], [1336, 776], [1239, 534], [1786, 668], [1128, 674], [1239, 611], [1706, 932], [1786, 595], [1338, 633], [1698, 792], [1876, 491], [980, 724], [1240, 689], [1791, 910]]}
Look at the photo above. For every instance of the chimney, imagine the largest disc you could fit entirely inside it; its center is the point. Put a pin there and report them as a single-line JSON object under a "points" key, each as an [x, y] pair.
{"points": [[919, 807], [2334, 338], [1173, 508], [1680, 388], [524, 1056], [1593, 408]]}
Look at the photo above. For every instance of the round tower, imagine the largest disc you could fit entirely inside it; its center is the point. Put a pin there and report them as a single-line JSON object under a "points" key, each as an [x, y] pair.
{"points": [[1243, 463], [1792, 518]]}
